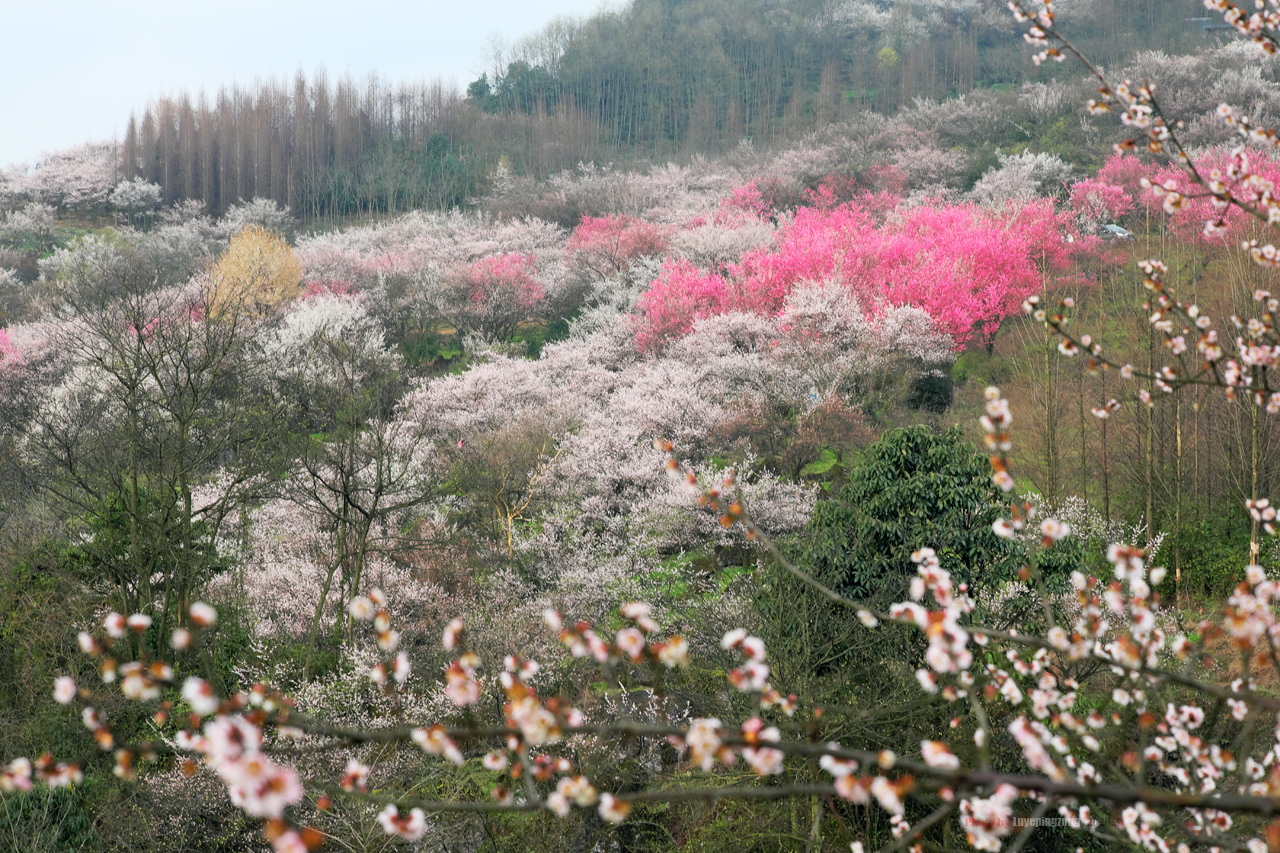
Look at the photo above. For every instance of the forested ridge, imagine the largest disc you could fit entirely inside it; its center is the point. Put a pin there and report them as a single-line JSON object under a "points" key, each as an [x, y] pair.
{"points": [[647, 80], [763, 426]]}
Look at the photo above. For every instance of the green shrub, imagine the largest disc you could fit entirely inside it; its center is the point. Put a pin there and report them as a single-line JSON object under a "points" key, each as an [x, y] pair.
{"points": [[1214, 552], [910, 490], [45, 820]]}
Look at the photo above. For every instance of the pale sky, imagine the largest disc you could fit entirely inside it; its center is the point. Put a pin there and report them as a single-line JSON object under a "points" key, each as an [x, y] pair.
{"points": [[73, 70]]}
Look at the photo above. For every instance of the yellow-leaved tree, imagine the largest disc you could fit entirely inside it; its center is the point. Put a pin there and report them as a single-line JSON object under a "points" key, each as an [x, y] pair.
{"points": [[258, 270]]}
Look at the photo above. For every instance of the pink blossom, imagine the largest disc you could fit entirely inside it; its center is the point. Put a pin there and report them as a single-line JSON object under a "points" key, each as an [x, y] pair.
{"points": [[607, 245], [355, 777], [16, 776], [631, 642], [436, 742], [200, 695], [967, 267], [8, 352], [704, 742], [410, 827], [493, 295], [452, 634], [679, 295], [612, 809], [745, 201], [1246, 174], [260, 787]]}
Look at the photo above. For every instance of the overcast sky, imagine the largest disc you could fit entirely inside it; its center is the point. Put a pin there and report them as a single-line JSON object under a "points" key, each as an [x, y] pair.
{"points": [[72, 70]]}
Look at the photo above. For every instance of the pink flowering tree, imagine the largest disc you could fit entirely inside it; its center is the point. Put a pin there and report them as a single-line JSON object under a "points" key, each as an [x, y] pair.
{"points": [[1200, 215], [605, 246], [680, 295], [983, 265], [1014, 739], [966, 267], [1127, 172], [1097, 202], [1111, 194], [493, 296], [8, 352], [1092, 718], [426, 272], [746, 202]]}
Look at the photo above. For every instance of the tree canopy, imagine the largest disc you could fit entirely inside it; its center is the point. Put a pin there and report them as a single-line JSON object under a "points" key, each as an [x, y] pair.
{"points": [[912, 489]]}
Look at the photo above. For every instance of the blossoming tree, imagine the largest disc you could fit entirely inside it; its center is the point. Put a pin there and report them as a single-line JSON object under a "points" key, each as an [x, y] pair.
{"points": [[967, 267]]}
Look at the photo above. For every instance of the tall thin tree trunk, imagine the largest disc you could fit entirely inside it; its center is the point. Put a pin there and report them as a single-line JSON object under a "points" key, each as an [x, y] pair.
{"points": [[1150, 452], [1084, 455], [1177, 501], [1253, 474]]}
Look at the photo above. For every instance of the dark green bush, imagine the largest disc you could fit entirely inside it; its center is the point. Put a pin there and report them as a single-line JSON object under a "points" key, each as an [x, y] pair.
{"points": [[1212, 553], [910, 490]]}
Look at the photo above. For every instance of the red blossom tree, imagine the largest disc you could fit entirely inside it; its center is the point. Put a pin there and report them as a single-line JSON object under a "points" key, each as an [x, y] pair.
{"points": [[1095, 202], [968, 267], [1197, 214], [679, 296], [7, 350]]}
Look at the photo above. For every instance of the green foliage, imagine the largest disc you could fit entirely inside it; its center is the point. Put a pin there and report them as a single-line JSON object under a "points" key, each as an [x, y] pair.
{"points": [[227, 645], [1066, 556], [1063, 138], [431, 350], [688, 582], [1214, 551], [672, 580], [126, 533], [481, 94], [985, 158], [40, 610], [911, 490], [826, 460], [523, 88], [297, 661], [975, 366], [755, 827], [538, 336], [931, 392], [46, 820], [111, 540]]}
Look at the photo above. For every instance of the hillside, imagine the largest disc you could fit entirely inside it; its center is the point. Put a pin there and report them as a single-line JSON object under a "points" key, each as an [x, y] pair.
{"points": [[649, 81], [729, 427]]}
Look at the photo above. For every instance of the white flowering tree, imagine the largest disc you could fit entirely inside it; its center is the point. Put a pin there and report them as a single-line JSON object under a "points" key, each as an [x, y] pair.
{"points": [[362, 467], [29, 228], [1082, 769], [135, 200], [142, 393], [76, 180]]}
